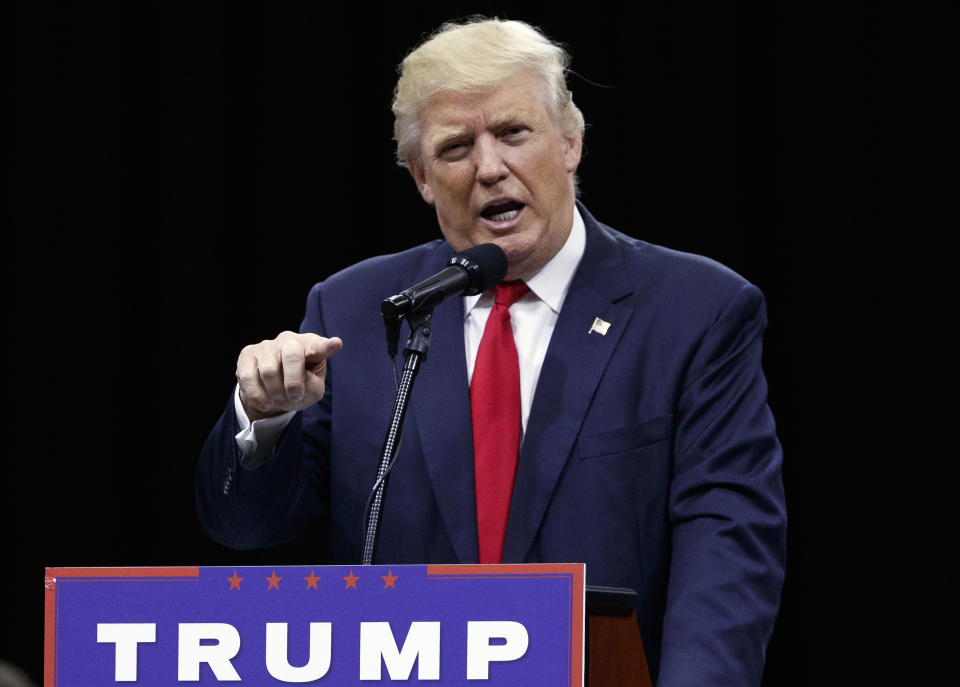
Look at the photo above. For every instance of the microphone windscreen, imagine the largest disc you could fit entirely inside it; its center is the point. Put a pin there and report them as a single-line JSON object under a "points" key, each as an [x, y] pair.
{"points": [[491, 264]]}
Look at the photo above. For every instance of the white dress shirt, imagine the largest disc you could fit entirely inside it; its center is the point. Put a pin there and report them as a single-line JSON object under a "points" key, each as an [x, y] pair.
{"points": [[532, 318]]}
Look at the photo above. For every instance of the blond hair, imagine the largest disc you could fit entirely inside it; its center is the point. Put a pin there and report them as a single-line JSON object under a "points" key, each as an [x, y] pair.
{"points": [[472, 57]]}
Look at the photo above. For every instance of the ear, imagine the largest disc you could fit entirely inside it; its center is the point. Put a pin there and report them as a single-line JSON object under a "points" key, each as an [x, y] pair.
{"points": [[572, 152], [420, 178]]}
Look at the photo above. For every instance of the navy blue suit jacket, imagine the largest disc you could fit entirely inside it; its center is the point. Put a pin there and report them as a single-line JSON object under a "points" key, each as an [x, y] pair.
{"points": [[650, 452]]}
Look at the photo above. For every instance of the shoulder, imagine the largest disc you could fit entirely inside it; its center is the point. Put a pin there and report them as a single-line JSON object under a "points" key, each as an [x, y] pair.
{"points": [[676, 283], [383, 275], [644, 261], [348, 302]]}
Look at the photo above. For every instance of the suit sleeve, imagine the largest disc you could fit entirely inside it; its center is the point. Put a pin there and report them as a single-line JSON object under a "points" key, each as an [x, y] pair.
{"points": [[280, 498], [726, 510]]}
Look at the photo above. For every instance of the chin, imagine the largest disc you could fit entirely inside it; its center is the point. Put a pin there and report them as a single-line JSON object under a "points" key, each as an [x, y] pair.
{"points": [[516, 247]]}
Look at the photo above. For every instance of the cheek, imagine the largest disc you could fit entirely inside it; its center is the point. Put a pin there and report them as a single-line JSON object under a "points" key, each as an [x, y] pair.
{"points": [[452, 191], [542, 172], [454, 234]]}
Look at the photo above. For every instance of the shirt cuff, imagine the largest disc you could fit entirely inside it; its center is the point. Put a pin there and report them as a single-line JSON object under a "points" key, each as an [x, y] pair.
{"points": [[257, 439]]}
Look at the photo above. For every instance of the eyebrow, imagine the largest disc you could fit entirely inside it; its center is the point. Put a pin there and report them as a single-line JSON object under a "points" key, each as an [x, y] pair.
{"points": [[446, 135], [511, 118]]}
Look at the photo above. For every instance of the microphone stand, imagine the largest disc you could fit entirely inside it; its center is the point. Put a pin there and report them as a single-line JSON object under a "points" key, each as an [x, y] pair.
{"points": [[414, 353]]}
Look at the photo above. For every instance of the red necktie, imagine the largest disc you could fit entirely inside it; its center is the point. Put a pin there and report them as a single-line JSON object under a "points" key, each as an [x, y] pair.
{"points": [[495, 404]]}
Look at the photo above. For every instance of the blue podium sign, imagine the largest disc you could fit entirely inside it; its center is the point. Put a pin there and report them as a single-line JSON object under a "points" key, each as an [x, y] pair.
{"points": [[337, 625]]}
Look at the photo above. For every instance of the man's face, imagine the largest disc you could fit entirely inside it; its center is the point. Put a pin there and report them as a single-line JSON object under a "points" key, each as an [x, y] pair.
{"points": [[497, 169]]}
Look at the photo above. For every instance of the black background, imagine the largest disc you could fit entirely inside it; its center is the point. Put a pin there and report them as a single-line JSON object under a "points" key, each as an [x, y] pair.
{"points": [[182, 173]]}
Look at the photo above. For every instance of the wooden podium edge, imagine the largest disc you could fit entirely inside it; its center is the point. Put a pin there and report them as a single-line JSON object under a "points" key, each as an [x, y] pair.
{"points": [[615, 655]]}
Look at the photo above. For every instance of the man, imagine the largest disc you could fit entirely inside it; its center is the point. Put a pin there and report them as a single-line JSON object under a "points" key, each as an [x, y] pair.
{"points": [[646, 448]]}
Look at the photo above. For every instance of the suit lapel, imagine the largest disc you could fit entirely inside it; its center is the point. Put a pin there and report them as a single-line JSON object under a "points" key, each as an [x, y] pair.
{"points": [[571, 371], [440, 401]]}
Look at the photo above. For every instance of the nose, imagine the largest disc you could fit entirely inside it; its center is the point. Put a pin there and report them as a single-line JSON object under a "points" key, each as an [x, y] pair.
{"points": [[491, 167]]}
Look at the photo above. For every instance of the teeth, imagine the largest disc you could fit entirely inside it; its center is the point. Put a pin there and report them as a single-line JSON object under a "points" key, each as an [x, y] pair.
{"points": [[504, 216]]}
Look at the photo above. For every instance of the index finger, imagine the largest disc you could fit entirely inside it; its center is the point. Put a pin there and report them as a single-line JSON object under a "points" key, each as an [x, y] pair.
{"points": [[318, 348]]}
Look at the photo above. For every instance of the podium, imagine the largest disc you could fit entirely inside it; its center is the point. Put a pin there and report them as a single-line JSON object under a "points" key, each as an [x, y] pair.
{"points": [[488, 624], [615, 656]]}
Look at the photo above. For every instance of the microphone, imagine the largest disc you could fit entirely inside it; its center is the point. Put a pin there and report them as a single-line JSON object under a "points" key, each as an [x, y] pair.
{"points": [[471, 272]]}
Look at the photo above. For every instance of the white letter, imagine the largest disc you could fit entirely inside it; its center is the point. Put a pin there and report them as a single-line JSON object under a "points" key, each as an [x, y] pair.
{"points": [[423, 641], [278, 663], [191, 653], [480, 652], [126, 636]]}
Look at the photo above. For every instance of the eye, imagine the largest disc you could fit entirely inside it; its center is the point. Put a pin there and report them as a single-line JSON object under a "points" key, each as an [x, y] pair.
{"points": [[515, 133], [454, 150]]}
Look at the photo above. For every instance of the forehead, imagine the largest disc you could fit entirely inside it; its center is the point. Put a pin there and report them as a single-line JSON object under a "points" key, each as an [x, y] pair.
{"points": [[452, 112]]}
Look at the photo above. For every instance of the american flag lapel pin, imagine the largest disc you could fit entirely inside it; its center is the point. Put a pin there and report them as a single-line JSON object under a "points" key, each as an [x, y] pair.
{"points": [[599, 326]]}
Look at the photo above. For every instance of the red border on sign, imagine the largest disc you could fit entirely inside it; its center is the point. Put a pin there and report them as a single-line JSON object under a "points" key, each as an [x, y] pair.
{"points": [[574, 570], [94, 574]]}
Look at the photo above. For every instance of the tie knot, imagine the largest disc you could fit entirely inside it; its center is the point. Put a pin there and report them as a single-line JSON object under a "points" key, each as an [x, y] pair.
{"points": [[506, 293]]}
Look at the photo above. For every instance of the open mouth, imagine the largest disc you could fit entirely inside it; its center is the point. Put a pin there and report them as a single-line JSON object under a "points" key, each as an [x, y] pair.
{"points": [[502, 210]]}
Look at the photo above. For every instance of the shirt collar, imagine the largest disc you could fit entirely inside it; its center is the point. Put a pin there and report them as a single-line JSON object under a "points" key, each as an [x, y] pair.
{"points": [[552, 281]]}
